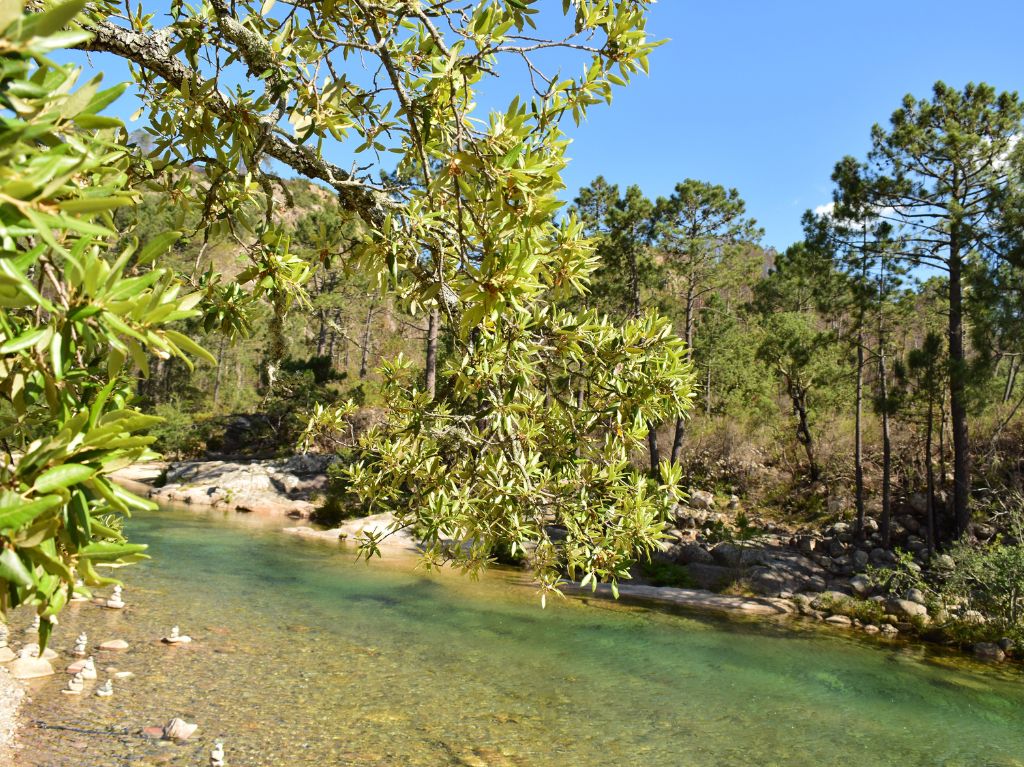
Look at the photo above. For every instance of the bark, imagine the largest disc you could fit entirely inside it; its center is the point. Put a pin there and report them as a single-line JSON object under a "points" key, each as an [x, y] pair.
{"points": [[677, 440], [886, 522], [858, 435], [929, 471], [1011, 378], [321, 336], [957, 392], [652, 447], [798, 396], [364, 357], [152, 53], [430, 373]]}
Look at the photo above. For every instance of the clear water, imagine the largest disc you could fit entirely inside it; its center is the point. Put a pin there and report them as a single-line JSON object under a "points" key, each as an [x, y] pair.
{"points": [[305, 657]]}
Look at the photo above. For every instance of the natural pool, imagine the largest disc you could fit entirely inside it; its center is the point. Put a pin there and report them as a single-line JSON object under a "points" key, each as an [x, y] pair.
{"points": [[306, 657]]}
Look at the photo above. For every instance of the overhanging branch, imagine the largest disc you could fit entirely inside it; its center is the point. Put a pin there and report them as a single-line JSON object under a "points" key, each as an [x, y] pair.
{"points": [[152, 53]]}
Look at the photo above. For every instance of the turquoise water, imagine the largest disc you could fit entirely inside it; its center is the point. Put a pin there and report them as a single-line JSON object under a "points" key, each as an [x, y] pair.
{"points": [[305, 657]]}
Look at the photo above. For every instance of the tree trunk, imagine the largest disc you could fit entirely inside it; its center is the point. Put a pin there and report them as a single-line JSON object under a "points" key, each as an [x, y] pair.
{"points": [[707, 392], [321, 335], [958, 393], [929, 471], [677, 440], [680, 430], [431, 363], [1011, 378], [798, 395], [218, 373], [652, 448], [364, 357], [886, 522], [858, 431]]}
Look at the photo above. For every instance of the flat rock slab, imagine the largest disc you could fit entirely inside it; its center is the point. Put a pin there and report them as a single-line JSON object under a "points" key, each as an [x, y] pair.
{"points": [[30, 668], [354, 529], [694, 598], [114, 644]]}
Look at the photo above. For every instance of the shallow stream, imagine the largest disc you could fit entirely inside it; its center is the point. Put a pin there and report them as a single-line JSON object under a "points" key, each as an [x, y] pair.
{"points": [[304, 657]]}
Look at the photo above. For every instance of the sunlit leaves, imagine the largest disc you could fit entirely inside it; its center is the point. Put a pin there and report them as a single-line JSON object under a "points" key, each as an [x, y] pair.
{"points": [[76, 316]]}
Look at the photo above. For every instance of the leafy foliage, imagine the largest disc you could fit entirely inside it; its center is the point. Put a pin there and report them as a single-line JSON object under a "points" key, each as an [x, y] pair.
{"points": [[73, 313]]}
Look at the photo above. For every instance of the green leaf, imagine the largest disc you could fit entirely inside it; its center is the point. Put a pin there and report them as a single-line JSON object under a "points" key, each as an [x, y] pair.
{"points": [[13, 570], [104, 551], [64, 475], [23, 513]]}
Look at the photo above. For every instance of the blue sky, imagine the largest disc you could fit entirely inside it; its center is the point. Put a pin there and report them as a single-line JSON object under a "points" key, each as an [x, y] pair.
{"points": [[767, 96]]}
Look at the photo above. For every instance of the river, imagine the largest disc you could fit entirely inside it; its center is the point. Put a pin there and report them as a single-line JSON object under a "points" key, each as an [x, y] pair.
{"points": [[305, 657]]}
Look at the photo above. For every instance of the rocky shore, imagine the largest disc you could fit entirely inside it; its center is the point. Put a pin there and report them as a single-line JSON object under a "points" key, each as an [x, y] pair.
{"points": [[823, 575], [286, 486]]}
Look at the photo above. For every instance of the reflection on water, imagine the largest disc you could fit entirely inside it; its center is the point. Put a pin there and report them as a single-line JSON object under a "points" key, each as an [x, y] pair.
{"points": [[305, 657]]}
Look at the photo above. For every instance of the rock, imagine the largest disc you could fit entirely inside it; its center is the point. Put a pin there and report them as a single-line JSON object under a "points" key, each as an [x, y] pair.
{"points": [[153, 732], [945, 562], [881, 557], [114, 644], [861, 585], [827, 599], [702, 499], [904, 608], [870, 628], [918, 502], [123, 674], [6, 654], [973, 617], [989, 651], [734, 502], [807, 544], [889, 630], [916, 595], [839, 620], [32, 649], [735, 556], [1005, 644], [860, 559], [75, 667], [772, 583], [178, 729], [24, 667], [711, 577], [689, 553]]}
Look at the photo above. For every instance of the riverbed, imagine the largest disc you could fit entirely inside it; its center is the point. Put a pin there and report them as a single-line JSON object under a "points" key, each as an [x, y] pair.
{"points": [[304, 656]]}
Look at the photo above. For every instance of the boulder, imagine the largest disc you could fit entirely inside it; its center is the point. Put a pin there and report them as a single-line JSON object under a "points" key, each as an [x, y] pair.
{"points": [[735, 556], [702, 499], [880, 557], [916, 595], [989, 651], [25, 667], [860, 559], [711, 577], [839, 620], [861, 585], [178, 729], [689, 553], [904, 608], [772, 583]]}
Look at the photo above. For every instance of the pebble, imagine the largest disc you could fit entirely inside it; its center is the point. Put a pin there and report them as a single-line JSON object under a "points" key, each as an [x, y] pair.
{"points": [[114, 644]]}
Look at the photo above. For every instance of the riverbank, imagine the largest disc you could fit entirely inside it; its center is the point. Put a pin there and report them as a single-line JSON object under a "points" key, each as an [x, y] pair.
{"points": [[11, 698], [827, 575]]}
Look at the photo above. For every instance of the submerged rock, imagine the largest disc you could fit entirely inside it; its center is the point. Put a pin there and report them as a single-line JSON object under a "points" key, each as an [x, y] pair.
{"points": [[26, 667], [989, 651], [179, 729]]}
